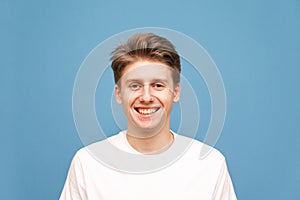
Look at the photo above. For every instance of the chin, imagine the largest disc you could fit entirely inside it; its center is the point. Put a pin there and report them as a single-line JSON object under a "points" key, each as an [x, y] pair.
{"points": [[150, 127]]}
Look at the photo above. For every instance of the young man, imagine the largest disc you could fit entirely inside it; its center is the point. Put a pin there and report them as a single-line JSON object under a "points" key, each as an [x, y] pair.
{"points": [[147, 76]]}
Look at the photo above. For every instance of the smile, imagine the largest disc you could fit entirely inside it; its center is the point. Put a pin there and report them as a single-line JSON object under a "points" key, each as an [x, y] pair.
{"points": [[146, 111]]}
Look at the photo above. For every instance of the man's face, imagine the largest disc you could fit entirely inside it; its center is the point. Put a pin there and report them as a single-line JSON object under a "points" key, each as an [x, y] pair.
{"points": [[147, 92]]}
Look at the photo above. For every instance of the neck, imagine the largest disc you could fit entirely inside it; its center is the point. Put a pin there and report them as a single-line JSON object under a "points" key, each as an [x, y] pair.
{"points": [[148, 143]]}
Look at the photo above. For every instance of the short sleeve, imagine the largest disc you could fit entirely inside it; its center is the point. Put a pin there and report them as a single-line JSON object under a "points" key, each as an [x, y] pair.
{"points": [[224, 188], [74, 188]]}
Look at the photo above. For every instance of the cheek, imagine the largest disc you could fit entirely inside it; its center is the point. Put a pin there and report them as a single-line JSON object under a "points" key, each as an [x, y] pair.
{"points": [[166, 98], [129, 97]]}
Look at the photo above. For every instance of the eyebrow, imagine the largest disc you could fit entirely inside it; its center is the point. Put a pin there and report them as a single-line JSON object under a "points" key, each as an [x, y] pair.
{"points": [[153, 80]]}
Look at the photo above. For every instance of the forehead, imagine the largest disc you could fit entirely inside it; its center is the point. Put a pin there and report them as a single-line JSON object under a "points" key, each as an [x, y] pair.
{"points": [[147, 70]]}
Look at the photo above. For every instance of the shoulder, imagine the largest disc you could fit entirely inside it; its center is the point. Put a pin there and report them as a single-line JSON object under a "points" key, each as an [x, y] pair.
{"points": [[202, 152], [90, 151]]}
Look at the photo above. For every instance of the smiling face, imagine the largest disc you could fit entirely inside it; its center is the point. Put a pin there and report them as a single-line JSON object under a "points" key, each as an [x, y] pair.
{"points": [[147, 91]]}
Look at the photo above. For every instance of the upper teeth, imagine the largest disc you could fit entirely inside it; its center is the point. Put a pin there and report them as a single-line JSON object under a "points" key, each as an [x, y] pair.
{"points": [[146, 111]]}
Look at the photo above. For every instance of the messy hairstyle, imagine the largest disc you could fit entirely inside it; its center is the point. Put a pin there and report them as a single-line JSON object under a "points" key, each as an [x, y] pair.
{"points": [[145, 47]]}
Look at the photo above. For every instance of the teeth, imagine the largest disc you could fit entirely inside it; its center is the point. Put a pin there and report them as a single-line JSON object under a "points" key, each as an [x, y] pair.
{"points": [[146, 111]]}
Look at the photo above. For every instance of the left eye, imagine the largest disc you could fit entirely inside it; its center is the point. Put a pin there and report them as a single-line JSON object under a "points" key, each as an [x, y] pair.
{"points": [[158, 85]]}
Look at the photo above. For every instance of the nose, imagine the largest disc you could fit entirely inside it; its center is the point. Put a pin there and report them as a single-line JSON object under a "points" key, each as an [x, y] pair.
{"points": [[146, 95]]}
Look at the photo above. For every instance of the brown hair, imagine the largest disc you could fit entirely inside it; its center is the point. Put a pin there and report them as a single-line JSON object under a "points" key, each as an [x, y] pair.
{"points": [[145, 46]]}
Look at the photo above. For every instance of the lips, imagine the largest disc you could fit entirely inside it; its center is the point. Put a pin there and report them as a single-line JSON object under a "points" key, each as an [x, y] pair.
{"points": [[146, 111]]}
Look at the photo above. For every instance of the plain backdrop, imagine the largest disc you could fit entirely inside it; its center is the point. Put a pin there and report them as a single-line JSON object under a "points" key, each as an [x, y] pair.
{"points": [[255, 45]]}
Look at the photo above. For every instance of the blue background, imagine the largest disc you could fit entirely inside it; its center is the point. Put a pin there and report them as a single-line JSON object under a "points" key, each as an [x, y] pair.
{"points": [[255, 44]]}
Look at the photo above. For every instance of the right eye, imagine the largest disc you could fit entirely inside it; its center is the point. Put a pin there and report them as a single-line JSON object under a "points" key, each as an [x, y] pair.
{"points": [[135, 86]]}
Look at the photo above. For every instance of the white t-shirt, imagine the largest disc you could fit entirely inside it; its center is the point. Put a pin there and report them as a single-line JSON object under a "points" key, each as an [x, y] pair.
{"points": [[188, 178]]}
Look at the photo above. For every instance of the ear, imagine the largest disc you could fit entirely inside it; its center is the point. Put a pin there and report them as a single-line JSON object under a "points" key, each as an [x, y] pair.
{"points": [[176, 93], [117, 92]]}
